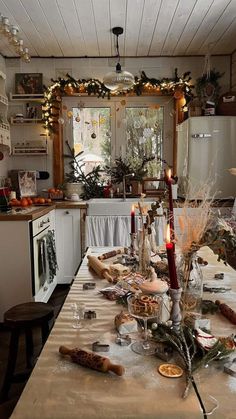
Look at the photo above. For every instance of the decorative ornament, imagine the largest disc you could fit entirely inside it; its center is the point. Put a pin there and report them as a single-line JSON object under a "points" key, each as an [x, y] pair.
{"points": [[93, 135], [61, 121], [77, 118], [69, 114], [123, 102], [94, 122], [178, 94], [102, 120]]}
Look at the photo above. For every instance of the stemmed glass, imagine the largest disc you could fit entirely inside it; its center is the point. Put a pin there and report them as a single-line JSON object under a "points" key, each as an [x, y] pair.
{"points": [[78, 315], [144, 308]]}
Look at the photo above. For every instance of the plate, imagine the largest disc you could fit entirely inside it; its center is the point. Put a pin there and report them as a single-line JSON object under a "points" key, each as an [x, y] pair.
{"points": [[170, 370]]}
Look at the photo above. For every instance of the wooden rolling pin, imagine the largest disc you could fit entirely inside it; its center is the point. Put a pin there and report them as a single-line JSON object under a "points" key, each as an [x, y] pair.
{"points": [[99, 267], [91, 360], [112, 253], [227, 311]]}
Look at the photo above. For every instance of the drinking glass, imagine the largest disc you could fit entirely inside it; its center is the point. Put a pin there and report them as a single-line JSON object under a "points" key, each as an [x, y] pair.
{"points": [[78, 315], [144, 308]]}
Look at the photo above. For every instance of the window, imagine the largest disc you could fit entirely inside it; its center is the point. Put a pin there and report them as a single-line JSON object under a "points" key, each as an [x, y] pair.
{"points": [[106, 129]]}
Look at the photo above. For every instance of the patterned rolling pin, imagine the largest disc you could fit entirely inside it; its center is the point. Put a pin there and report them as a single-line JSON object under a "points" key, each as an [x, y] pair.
{"points": [[111, 254], [91, 360], [227, 311]]}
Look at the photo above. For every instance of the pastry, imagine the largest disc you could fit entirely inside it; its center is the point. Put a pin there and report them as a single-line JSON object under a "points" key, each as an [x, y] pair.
{"points": [[125, 323]]}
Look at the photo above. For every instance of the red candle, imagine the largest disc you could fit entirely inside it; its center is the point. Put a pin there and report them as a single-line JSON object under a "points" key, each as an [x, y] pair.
{"points": [[132, 220], [171, 261], [171, 209]]}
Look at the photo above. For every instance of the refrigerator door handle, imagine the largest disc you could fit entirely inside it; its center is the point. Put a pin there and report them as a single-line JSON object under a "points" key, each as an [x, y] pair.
{"points": [[199, 136]]}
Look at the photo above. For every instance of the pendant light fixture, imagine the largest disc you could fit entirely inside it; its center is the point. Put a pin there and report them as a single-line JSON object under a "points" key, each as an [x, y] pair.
{"points": [[118, 80]]}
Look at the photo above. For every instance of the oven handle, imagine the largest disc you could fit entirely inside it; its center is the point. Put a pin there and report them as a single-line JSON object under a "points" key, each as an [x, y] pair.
{"points": [[43, 231]]}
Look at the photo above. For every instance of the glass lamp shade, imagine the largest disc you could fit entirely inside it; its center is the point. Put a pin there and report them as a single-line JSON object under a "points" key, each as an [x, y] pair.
{"points": [[118, 80]]}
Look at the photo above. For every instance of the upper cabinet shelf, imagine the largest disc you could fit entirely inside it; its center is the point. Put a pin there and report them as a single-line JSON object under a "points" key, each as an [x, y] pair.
{"points": [[27, 97], [3, 100], [5, 139]]}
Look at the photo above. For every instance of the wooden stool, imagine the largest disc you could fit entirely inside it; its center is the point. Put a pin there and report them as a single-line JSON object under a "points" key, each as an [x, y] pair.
{"points": [[23, 318]]}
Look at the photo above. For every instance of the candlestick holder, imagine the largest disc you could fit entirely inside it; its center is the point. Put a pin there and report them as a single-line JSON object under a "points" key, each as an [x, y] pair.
{"points": [[130, 258], [175, 314]]}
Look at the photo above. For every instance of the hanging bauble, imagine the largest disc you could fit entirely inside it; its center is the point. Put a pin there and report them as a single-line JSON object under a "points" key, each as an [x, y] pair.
{"points": [[77, 118], [61, 121], [69, 90], [178, 93], [69, 114], [93, 135]]}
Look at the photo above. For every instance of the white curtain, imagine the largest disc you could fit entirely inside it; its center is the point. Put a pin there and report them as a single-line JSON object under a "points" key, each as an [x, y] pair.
{"points": [[115, 230]]}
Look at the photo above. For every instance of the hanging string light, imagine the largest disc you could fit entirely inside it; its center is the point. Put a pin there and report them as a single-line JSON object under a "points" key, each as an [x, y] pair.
{"points": [[11, 34]]}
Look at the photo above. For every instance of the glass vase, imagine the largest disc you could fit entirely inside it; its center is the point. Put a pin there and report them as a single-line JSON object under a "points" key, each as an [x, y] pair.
{"points": [[144, 251], [191, 280]]}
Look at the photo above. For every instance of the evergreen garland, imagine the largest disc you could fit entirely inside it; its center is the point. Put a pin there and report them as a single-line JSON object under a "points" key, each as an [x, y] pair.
{"points": [[70, 86]]}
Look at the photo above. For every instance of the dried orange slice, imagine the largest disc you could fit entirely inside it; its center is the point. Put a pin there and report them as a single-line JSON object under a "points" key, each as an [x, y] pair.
{"points": [[170, 370]]}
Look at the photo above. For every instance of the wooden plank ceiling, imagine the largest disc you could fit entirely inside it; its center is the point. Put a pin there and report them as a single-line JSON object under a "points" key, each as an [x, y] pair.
{"points": [[79, 28]]}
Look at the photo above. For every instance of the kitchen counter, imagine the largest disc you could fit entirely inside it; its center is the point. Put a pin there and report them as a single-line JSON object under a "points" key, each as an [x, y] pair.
{"points": [[34, 212]]}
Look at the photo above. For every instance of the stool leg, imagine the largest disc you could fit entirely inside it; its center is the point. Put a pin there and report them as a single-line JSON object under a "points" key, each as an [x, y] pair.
{"points": [[10, 364], [29, 347], [45, 332]]}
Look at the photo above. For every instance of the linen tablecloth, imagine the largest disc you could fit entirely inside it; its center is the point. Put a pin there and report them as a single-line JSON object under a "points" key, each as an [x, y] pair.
{"points": [[59, 389]]}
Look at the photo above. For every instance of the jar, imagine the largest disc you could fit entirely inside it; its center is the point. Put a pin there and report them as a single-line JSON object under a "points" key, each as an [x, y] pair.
{"points": [[191, 280]]}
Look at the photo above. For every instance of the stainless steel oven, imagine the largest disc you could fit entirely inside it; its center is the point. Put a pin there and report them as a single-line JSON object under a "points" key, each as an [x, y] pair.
{"points": [[44, 281]]}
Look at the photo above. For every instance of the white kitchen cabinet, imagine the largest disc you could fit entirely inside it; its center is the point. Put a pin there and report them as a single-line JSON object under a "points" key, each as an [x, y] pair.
{"points": [[68, 243], [15, 262], [4, 126]]}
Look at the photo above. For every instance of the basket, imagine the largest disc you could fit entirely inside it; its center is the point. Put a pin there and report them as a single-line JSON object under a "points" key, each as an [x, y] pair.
{"points": [[227, 104]]}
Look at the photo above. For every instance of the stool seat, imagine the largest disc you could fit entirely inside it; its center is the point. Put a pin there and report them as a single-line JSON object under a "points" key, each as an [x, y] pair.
{"points": [[23, 318], [31, 314]]}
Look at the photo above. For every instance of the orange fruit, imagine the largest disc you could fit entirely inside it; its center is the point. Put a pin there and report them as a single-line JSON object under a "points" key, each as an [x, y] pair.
{"points": [[24, 202], [51, 190], [41, 201], [30, 202]]}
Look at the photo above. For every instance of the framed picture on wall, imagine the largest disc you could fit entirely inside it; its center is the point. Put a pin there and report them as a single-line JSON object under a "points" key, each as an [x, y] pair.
{"points": [[28, 83]]}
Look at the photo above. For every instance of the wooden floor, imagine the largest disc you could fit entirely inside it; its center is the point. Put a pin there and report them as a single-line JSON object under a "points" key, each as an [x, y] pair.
{"points": [[6, 408]]}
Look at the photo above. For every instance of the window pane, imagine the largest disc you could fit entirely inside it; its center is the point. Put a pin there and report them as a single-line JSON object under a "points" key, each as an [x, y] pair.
{"points": [[92, 135], [144, 135]]}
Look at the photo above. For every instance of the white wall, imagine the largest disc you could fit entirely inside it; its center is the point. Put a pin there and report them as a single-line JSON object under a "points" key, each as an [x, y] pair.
{"points": [[233, 75], [96, 68]]}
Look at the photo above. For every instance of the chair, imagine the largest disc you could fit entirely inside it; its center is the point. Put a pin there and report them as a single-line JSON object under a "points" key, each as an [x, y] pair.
{"points": [[22, 318]]}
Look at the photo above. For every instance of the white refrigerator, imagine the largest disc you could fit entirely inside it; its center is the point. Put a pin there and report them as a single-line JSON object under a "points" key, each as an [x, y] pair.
{"points": [[206, 149]]}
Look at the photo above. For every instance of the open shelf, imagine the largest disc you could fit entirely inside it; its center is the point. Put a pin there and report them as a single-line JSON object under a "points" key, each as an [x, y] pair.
{"points": [[30, 97], [25, 121]]}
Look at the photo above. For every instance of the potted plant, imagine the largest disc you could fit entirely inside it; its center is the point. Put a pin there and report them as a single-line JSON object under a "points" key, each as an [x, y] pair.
{"points": [[86, 186]]}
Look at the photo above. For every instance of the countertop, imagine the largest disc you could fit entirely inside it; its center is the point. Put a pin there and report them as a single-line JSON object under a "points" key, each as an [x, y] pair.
{"points": [[33, 212]]}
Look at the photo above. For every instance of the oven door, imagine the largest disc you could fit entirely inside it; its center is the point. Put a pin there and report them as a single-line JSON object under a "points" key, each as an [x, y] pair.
{"points": [[40, 259]]}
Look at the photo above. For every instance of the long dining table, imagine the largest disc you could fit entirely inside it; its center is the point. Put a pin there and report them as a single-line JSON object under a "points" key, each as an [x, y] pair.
{"points": [[61, 389]]}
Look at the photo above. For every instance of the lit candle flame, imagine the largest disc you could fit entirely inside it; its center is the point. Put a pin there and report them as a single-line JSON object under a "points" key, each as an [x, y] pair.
{"points": [[132, 209], [169, 173], [168, 233]]}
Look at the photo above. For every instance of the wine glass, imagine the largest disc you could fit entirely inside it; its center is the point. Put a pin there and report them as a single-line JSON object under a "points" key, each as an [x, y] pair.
{"points": [[78, 315], [144, 308]]}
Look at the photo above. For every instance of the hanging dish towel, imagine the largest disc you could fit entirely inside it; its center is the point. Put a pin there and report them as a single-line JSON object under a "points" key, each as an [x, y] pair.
{"points": [[51, 254], [42, 262]]}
